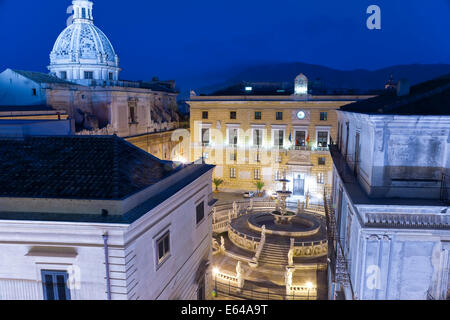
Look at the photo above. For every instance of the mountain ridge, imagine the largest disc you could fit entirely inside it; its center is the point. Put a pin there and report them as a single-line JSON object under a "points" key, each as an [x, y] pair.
{"points": [[361, 79]]}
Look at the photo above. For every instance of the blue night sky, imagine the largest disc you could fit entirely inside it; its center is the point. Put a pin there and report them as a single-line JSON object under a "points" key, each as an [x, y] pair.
{"points": [[184, 39]]}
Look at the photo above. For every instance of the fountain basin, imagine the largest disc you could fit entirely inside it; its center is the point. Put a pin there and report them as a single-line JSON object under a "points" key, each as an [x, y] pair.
{"points": [[300, 225]]}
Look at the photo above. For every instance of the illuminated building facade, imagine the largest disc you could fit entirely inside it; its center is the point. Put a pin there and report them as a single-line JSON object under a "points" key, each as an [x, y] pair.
{"points": [[262, 133]]}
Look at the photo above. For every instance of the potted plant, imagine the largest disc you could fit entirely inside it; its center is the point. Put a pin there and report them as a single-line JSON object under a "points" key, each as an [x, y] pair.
{"points": [[218, 183], [259, 186]]}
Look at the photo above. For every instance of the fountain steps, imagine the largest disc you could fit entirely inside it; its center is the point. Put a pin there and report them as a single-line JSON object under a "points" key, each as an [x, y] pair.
{"points": [[274, 254]]}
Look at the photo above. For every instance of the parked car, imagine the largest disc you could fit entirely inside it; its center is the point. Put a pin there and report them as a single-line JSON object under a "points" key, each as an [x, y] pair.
{"points": [[249, 194]]}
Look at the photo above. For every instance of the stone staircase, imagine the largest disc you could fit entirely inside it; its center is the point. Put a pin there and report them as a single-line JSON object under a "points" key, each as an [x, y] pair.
{"points": [[274, 254]]}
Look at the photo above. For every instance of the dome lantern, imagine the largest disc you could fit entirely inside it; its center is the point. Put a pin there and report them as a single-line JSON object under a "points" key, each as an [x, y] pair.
{"points": [[82, 10]]}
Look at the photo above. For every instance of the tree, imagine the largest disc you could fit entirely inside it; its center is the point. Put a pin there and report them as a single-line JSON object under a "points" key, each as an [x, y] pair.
{"points": [[259, 186], [217, 183]]}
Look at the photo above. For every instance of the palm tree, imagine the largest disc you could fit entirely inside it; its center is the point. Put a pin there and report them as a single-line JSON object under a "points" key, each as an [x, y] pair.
{"points": [[259, 186], [217, 183]]}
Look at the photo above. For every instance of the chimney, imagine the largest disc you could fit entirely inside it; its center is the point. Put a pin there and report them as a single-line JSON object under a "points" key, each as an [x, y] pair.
{"points": [[403, 88]]}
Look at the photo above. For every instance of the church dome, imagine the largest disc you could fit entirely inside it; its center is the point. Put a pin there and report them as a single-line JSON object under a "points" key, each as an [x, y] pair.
{"points": [[82, 51], [85, 40]]}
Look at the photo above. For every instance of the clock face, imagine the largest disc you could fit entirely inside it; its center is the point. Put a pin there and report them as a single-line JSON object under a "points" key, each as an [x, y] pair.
{"points": [[301, 115]]}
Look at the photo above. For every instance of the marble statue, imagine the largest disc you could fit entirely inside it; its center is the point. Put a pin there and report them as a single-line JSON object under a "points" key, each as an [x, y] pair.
{"points": [[291, 256]]}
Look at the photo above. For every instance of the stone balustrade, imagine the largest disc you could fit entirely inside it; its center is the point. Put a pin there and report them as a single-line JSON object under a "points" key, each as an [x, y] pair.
{"points": [[408, 220], [302, 291], [311, 249], [242, 240], [220, 276]]}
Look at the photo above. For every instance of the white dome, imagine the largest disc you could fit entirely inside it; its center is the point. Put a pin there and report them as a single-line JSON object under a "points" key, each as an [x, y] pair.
{"points": [[82, 51], [82, 41]]}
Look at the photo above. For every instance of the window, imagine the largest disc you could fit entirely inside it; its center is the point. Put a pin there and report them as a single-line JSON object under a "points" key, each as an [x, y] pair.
{"points": [[133, 115], [233, 115], [258, 157], [163, 245], [278, 158], [34, 91], [278, 138], [258, 115], [233, 156], [322, 138], [205, 136], [320, 178], [111, 76], [322, 161], [205, 115], [323, 116], [233, 134], [83, 13], [63, 75], [233, 173], [257, 174], [201, 291], [279, 116], [300, 138], [54, 284], [205, 155], [278, 175], [257, 137], [89, 75], [200, 212]]}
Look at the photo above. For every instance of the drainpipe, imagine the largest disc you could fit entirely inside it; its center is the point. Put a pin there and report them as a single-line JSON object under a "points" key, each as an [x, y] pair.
{"points": [[108, 280]]}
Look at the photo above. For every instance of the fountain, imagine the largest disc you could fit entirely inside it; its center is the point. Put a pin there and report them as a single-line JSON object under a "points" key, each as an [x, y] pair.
{"points": [[281, 215]]}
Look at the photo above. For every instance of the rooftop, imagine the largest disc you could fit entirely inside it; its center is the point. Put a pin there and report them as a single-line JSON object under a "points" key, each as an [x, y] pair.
{"points": [[26, 108], [42, 77], [427, 98], [76, 167], [360, 197], [154, 85], [283, 89]]}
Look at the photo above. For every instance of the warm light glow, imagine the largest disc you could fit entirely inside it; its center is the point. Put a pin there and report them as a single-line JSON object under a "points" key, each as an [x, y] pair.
{"points": [[309, 285], [180, 159], [215, 271]]}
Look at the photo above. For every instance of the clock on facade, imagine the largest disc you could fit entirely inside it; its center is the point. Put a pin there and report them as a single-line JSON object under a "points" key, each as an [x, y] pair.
{"points": [[301, 115]]}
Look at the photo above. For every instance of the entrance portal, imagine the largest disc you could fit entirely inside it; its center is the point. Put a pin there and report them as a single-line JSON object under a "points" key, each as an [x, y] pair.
{"points": [[299, 185]]}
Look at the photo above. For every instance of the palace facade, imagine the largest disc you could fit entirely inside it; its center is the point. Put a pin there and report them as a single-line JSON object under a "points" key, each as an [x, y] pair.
{"points": [[256, 132]]}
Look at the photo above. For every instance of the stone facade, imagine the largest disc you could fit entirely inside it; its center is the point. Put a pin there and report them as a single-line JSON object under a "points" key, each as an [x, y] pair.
{"points": [[109, 248], [391, 218], [242, 164]]}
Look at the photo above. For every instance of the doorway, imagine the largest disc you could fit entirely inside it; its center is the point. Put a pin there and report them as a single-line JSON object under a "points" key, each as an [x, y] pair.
{"points": [[299, 184]]}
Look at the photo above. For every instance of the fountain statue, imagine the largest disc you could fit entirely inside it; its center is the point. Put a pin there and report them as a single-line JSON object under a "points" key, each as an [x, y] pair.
{"points": [[235, 209], [289, 275], [239, 273], [307, 200], [291, 257], [222, 244], [281, 214]]}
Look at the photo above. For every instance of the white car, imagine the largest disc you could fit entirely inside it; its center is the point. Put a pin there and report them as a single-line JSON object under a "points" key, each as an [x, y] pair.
{"points": [[249, 194]]}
